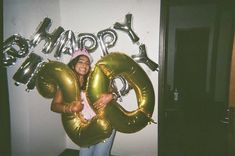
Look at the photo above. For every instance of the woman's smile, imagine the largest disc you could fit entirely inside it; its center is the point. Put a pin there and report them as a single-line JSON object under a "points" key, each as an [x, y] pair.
{"points": [[82, 66]]}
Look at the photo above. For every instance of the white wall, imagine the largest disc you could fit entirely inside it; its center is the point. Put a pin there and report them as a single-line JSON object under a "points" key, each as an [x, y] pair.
{"points": [[35, 129]]}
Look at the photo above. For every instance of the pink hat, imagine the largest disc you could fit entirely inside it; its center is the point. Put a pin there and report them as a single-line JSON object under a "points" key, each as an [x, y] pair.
{"points": [[81, 52]]}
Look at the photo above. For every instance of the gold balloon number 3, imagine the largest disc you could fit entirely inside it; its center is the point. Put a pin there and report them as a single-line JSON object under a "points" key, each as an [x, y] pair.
{"points": [[85, 133]]}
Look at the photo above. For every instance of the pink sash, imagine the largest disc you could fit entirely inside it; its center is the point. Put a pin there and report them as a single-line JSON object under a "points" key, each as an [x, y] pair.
{"points": [[87, 111]]}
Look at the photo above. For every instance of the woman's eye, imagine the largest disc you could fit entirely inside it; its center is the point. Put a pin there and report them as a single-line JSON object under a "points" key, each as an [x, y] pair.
{"points": [[86, 63]]}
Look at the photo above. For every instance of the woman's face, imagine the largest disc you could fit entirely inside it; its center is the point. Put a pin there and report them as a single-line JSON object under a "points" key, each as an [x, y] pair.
{"points": [[82, 66]]}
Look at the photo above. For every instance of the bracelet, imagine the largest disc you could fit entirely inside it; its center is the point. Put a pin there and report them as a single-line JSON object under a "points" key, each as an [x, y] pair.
{"points": [[115, 97], [64, 107], [70, 109]]}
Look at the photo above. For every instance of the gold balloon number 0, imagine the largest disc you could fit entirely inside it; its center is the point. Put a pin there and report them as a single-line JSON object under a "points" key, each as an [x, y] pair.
{"points": [[114, 116]]}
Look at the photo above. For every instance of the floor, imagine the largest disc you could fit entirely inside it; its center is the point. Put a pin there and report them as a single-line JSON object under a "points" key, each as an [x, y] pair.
{"points": [[194, 138], [71, 152]]}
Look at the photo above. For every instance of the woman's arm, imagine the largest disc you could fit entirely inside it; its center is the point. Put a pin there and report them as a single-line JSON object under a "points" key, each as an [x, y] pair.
{"points": [[103, 100], [59, 106]]}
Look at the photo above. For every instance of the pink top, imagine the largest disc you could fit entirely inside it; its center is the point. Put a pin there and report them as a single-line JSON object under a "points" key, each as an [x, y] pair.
{"points": [[87, 111]]}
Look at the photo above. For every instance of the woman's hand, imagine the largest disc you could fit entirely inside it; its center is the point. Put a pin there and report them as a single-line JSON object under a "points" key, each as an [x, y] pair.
{"points": [[58, 104], [103, 100], [73, 107]]}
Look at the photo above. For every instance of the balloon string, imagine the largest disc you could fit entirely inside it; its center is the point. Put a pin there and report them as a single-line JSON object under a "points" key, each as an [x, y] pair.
{"points": [[151, 120]]}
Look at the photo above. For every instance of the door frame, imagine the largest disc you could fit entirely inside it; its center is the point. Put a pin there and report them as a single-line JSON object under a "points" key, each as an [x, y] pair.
{"points": [[162, 73]]}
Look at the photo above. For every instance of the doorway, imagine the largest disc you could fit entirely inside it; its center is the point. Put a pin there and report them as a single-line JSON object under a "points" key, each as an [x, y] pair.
{"points": [[199, 132], [189, 111], [190, 72], [191, 121]]}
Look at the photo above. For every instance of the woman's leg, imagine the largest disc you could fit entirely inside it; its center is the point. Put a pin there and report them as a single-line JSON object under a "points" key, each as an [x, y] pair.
{"points": [[87, 151], [104, 148]]}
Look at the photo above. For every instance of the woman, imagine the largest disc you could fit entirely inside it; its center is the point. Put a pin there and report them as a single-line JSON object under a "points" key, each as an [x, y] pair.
{"points": [[80, 64]]}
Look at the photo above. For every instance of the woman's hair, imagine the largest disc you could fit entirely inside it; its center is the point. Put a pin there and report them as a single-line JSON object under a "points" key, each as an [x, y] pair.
{"points": [[72, 64]]}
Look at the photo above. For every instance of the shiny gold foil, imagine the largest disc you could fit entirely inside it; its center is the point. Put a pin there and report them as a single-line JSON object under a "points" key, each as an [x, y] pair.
{"points": [[119, 64], [55, 75]]}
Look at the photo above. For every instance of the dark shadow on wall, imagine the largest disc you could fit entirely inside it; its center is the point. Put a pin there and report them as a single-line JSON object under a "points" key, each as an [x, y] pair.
{"points": [[5, 139]]}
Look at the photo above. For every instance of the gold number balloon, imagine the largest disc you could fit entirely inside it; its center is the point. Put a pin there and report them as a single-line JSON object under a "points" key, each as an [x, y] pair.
{"points": [[119, 64], [82, 132], [86, 133]]}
